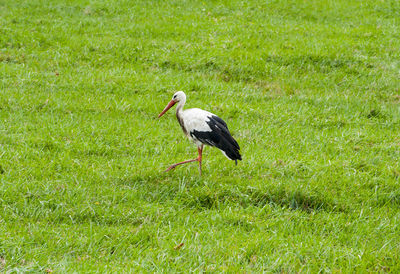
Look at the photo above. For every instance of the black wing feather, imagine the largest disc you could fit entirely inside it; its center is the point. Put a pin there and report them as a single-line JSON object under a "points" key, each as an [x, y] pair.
{"points": [[219, 137]]}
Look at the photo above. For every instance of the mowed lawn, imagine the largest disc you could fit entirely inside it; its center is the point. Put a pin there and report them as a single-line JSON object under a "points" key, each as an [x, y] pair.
{"points": [[310, 90]]}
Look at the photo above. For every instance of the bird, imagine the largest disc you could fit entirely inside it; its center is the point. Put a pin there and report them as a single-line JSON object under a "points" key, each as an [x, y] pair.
{"points": [[203, 128]]}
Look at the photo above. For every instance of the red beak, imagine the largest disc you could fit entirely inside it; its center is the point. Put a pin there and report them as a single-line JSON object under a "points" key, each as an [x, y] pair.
{"points": [[170, 104]]}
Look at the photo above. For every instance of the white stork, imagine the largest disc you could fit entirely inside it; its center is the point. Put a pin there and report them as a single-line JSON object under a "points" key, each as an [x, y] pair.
{"points": [[203, 128]]}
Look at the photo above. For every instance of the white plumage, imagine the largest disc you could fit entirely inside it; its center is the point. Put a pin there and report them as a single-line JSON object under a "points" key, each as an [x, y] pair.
{"points": [[195, 119]]}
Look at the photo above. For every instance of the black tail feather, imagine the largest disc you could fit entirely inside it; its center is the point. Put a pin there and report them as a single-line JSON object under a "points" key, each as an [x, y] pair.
{"points": [[230, 150]]}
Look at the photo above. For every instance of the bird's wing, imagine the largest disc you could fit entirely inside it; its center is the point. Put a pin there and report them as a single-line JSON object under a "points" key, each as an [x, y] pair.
{"points": [[212, 130], [219, 127]]}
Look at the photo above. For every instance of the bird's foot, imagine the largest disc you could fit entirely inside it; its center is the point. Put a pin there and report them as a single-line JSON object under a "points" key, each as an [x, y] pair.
{"points": [[170, 168], [181, 163]]}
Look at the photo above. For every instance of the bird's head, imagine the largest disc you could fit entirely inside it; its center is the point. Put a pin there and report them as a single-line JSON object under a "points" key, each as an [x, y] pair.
{"points": [[179, 96]]}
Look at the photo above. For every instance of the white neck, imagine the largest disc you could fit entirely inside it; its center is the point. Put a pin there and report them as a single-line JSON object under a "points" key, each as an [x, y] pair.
{"points": [[179, 107]]}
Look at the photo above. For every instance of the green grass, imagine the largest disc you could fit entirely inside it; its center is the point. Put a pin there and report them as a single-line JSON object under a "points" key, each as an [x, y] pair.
{"points": [[310, 89]]}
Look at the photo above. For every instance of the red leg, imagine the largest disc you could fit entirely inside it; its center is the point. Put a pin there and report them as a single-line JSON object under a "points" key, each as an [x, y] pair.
{"points": [[200, 150], [181, 163], [198, 159]]}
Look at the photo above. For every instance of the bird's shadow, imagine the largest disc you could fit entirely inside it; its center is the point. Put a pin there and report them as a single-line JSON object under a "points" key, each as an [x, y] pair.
{"points": [[200, 193]]}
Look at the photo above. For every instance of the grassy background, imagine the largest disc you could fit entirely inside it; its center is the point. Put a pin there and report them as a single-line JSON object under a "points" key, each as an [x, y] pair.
{"points": [[310, 89]]}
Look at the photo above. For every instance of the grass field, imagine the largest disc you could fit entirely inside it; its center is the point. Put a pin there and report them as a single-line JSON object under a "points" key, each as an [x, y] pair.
{"points": [[310, 89]]}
